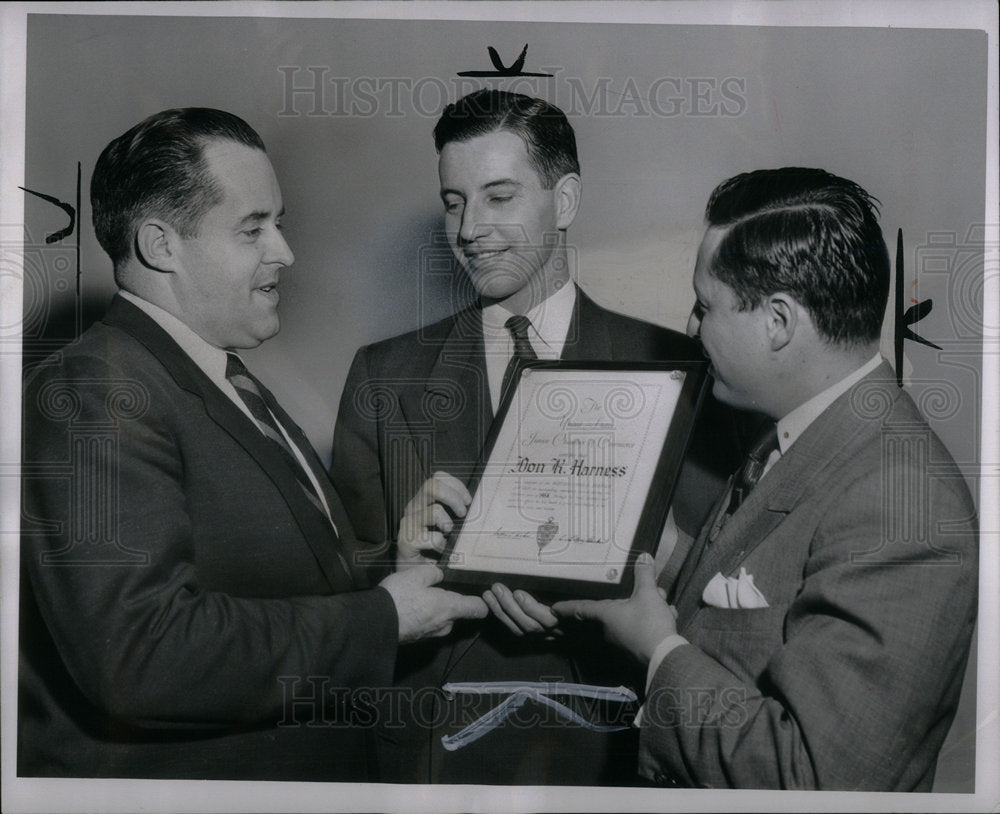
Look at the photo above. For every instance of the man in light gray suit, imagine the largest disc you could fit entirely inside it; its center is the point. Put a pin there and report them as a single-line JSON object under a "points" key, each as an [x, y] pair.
{"points": [[819, 627]]}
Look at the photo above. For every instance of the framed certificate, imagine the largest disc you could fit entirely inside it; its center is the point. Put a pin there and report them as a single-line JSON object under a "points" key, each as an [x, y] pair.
{"points": [[577, 477]]}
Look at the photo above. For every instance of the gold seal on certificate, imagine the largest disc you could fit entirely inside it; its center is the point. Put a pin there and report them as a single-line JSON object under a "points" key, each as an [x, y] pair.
{"points": [[577, 477]]}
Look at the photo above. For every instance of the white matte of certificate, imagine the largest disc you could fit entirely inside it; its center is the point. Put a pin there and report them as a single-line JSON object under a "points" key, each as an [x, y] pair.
{"points": [[563, 489]]}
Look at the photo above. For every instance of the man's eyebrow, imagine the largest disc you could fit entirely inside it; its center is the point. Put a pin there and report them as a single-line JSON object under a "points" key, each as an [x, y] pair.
{"points": [[500, 182], [503, 182], [258, 216]]}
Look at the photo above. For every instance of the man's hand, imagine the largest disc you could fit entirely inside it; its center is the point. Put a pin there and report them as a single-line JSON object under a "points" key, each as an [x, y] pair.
{"points": [[520, 611], [425, 611], [427, 520], [637, 624]]}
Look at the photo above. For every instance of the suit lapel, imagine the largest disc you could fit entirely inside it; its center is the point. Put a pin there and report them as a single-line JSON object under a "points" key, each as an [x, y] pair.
{"points": [[454, 403], [316, 531], [588, 337], [682, 562], [833, 437], [326, 545], [742, 532], [457, 394]]}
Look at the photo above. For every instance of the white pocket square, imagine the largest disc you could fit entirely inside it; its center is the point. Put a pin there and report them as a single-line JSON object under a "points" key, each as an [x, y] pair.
{"points": [[733, 592]]}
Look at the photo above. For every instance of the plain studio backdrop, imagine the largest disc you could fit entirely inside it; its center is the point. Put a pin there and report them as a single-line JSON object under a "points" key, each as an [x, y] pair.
{"points": [[662, 114]]}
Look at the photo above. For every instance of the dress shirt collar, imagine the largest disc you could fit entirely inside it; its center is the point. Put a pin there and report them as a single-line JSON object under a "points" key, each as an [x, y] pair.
{"points": [[209, 359], [549, 325], [795, 423]]}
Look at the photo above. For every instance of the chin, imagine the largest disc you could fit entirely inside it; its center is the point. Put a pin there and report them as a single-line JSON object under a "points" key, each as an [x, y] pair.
{"points": [[498, 294], [264, 333], [497, 289]]}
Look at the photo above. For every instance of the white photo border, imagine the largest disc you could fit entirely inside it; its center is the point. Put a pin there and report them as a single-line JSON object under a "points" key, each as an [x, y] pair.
{"points": [[22, 794]]}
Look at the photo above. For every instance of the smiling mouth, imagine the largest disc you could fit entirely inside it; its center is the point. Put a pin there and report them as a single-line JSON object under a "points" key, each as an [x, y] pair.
{"points": [[474, 257], [270, 293]]}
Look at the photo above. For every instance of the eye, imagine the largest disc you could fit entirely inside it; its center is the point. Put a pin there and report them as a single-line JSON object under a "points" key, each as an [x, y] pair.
{"points": [[500, 199], [451, 207], [253, 233]]}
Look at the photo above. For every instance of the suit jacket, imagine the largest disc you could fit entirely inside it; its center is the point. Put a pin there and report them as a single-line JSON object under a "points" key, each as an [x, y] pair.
{"points": [[862, 539], [419, 403], [185, 610]]}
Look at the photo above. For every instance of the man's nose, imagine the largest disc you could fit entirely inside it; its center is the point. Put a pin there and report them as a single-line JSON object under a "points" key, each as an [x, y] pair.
{"points": [[471, 227], [279, 251]]}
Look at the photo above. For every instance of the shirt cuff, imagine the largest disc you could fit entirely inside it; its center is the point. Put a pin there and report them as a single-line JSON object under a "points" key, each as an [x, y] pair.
{"points": [[659, 654]]}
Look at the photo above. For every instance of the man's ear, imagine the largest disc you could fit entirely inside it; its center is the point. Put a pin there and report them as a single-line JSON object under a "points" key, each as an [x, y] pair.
{"points": [[567, 192], [783, 314], [156, 244]]}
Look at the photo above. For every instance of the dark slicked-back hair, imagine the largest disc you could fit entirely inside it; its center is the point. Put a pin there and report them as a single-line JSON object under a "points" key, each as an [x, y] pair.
{"points": [[543, 127], [158, 169], [810, 234]]}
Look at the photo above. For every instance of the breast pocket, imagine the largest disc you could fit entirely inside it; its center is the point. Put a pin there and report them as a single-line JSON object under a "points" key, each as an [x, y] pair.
{"points": [[743, 640]]}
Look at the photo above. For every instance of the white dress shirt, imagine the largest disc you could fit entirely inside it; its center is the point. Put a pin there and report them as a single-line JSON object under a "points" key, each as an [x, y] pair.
{"points": [[550, 321]]}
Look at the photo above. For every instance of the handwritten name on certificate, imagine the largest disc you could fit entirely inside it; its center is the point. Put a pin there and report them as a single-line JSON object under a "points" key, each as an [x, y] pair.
{"points": [[563, 489]]}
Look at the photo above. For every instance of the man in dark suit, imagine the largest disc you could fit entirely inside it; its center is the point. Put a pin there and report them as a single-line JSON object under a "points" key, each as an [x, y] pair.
{"points": [[191, 602], [415, 413], [824, 614]]}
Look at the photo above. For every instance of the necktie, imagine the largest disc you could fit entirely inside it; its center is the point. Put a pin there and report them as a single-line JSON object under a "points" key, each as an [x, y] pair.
{"points": [[249, 390], [523, 352], [753, 467], [765, 442]]}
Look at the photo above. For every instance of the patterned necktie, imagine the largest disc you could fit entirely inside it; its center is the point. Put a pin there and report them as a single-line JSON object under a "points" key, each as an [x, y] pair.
{"points": [[523, 352], [752, 469], [249, 390]]}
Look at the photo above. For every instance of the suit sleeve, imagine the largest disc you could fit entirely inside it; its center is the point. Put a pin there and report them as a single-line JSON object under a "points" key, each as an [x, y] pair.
{"points": [[118, 585], [868, 661]]}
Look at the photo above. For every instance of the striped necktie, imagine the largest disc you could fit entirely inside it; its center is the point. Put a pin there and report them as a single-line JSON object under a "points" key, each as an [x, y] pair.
{"points": [[523, 352], [753, 467], [249, 390]]}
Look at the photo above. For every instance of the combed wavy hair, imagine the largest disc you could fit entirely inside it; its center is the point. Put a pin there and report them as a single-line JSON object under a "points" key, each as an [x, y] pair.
{"points": [[808, 233], [543, 127], [158, 168]]}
